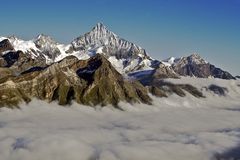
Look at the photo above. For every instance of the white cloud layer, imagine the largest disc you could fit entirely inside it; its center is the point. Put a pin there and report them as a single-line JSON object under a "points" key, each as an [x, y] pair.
{"points": [[172, 129]]}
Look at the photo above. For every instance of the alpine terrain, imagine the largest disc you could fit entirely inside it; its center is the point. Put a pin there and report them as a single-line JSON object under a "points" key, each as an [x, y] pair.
{"points": [[97, 68]]}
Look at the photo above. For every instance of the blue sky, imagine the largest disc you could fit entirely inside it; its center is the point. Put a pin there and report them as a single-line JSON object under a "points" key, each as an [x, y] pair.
{"points": [[163, 27]]}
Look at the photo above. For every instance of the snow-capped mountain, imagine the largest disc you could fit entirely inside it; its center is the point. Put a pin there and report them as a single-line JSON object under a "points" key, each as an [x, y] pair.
{"points": [[100, 39], [195, 65], [28, 47], [43, 47], [48, 47], [192, 59], [125, 56]]}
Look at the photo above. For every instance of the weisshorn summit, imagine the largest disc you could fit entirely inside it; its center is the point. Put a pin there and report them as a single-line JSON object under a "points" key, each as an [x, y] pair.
{"points": [[97, 68]]}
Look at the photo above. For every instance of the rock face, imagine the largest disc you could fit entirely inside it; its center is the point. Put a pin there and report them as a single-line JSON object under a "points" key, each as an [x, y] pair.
{"points": [[163, 71], [219, 73], [150, 76], [154, 80], [19, 62], [195, 66], [90, 82], [48, 47], [221, 91], [5, 45], [164, 89]]}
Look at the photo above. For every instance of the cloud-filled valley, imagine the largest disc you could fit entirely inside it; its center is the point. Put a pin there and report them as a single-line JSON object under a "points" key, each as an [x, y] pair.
{"points": [[172, 128]]}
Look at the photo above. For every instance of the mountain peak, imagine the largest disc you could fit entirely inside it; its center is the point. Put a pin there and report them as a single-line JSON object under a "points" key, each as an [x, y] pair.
{"points": [[100, 24], [40, 36], [44, 39], [196, 58], [100, 31], [99, 27]]}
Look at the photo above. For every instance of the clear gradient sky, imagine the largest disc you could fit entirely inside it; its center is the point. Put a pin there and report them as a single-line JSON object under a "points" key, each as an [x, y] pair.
{"points": [[163, 27]]}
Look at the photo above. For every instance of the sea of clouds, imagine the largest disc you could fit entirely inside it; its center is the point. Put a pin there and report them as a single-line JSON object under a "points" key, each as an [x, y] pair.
{"points": [[171, 129]]}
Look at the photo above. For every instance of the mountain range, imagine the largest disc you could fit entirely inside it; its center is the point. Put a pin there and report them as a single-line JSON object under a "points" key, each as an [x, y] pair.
{"points": [[97, 68]]}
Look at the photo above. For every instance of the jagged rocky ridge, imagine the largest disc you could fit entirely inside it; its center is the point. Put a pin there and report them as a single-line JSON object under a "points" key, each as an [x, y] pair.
{"points": [[195, 65], [90, 82], [155, 82], [124, 55]]}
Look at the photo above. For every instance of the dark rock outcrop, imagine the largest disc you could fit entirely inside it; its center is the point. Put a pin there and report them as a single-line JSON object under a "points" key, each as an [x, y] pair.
{"points": [[230, 154], [33, 69], [10, 58], [164, 89], [219, 73], [221, 91], [5, 45]]}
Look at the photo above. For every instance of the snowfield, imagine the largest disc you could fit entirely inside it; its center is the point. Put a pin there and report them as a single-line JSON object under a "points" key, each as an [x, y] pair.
{"points": [[171, 129]]}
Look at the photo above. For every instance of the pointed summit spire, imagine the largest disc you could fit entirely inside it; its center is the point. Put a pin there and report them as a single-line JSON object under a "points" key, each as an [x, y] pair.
{"points": [[100, 24], [101, 34], [99, 27]]}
